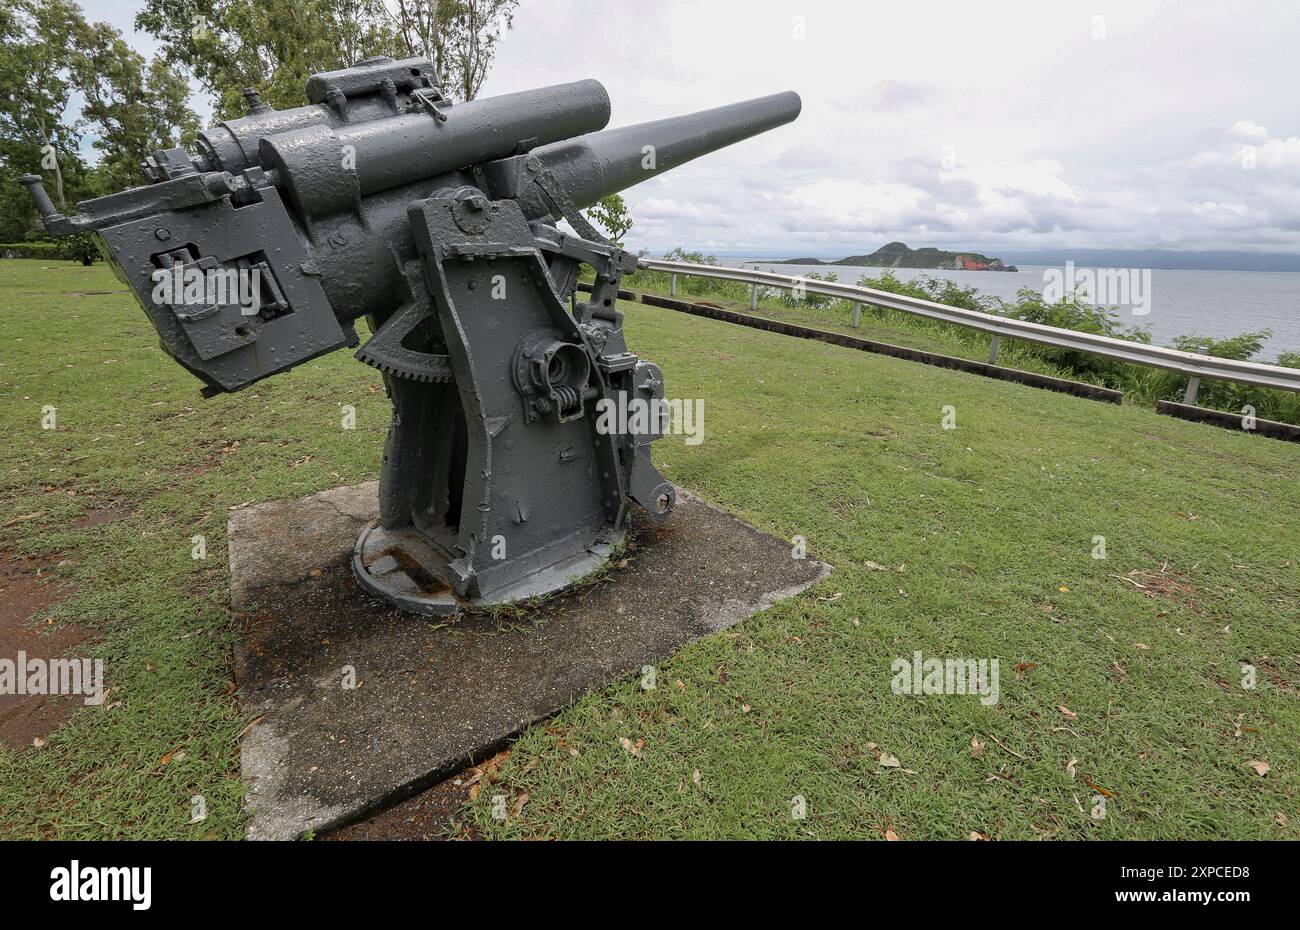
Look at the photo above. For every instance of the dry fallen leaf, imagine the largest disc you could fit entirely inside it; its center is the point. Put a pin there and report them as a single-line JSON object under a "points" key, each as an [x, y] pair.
{"points": [[1067, 713], [1142, 646], [888, 761], [1261, 768], [978, 835], [697, 777], [519, 803], [891, 835], [628, 745], [1064, 589], [38, 742], [1021, 667], [1098, 788], [32, 516], [1071, 767], [976, 747]]}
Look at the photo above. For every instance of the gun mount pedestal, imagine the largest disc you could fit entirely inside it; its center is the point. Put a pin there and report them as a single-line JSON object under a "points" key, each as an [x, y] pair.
{"points": [[497, 484]]}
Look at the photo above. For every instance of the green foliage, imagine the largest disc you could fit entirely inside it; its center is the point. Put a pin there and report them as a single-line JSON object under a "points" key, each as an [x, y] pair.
{"points": [[469, 35], [807, 298], [612, 214], [36, 39], [81, 248], [273, 46], [49, 57], [1228, 395], [39, 248], [136, 107], [459, 36], [1070, 313], [712, 288], [924, 287]]}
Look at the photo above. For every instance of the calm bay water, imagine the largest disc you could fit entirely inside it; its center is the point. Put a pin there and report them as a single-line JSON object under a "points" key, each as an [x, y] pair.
{"points": [[1208, 303]]}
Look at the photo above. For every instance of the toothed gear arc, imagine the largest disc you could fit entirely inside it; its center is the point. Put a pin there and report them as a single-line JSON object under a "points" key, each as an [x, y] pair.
{"points": [[385, 350]]}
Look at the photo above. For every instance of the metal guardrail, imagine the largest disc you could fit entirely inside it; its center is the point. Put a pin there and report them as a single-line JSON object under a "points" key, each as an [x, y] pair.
{"points": [[1194, 365]]}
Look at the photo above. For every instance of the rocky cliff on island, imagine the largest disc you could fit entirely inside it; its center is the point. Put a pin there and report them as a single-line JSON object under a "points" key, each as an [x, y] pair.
{"points": [[900, 255]]}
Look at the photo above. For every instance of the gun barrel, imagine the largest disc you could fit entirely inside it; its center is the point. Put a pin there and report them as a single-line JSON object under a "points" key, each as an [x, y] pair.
{"points": [[387, 153], [593, 166]]}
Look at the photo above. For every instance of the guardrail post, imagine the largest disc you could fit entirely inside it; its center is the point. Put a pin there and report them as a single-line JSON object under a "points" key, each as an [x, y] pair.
{"points": [[1189, 396], [994, 343], [753, 297], [672, 285], [857, 314]]}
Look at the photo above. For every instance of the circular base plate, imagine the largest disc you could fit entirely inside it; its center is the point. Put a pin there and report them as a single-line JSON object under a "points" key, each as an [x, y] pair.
{"points": [[403, 568]]}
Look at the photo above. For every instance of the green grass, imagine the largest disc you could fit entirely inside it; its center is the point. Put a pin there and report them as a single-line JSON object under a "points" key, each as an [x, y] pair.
{"points": [[133, 433], [988, 522]]}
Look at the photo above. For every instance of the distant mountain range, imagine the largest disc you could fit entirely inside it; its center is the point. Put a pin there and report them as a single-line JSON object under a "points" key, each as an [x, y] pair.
{"points": [[900, 255]]}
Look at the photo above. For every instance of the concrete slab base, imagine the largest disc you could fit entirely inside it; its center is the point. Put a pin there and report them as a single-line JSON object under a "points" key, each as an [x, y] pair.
{"points": [[432, 695]]}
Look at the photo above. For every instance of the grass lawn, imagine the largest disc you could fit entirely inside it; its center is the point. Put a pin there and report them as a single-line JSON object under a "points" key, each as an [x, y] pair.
{"points": [[986, 534]]}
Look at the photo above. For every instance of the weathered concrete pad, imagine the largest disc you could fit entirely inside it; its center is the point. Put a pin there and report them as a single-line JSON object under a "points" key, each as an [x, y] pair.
{"points": [[433, 694]]}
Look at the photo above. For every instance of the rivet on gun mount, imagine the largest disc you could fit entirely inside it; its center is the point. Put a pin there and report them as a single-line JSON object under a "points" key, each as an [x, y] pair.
{"points": [[437, 222]]}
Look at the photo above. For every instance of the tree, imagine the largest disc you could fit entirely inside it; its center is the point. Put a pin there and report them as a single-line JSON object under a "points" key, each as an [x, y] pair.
{"points": [[459, 36], [34, 42], [270, 45], [136, 106], [612, 214], [417, 21], [469, 42], [275, 45], [49, 58]]}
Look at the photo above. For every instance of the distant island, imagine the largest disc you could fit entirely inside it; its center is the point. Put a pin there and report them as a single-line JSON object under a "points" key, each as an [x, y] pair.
{"points": [[899, 255]]}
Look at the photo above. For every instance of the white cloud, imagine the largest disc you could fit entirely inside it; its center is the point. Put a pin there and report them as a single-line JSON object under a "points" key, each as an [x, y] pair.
{"points": [[1060, 139]]}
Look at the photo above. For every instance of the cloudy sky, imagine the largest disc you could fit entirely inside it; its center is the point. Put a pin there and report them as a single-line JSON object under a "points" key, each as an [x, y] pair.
{"points": [[1003, 125]]}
